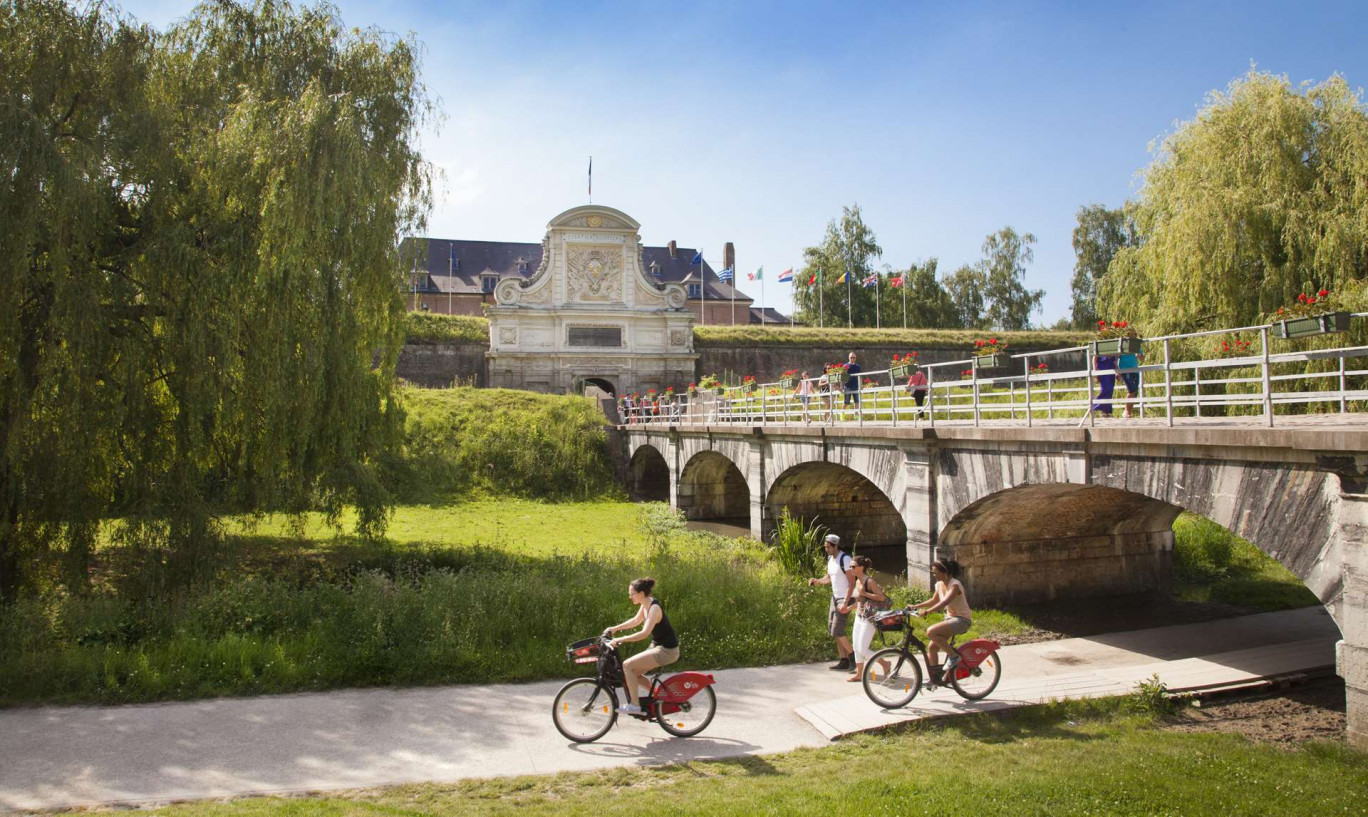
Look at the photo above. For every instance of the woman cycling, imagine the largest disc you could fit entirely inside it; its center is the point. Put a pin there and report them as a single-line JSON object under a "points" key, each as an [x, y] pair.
{"points": [[664, 647], [872, 599], [949, 596]]}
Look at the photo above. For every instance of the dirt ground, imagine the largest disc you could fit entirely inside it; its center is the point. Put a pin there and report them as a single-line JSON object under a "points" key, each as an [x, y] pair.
{"points": [[1311, 712]]}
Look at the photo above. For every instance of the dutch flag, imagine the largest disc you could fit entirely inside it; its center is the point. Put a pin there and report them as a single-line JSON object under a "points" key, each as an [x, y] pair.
{"points": [[786, 276]]}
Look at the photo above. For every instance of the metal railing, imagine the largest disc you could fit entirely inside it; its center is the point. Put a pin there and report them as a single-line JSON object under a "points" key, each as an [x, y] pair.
{"points": [[1251, 385]]}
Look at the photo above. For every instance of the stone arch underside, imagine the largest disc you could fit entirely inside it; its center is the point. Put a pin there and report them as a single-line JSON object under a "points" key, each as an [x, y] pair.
{"points": [[1287, 510], [649, 475], [712, 487], [847, 503], [603, 384], [1049, 541]]}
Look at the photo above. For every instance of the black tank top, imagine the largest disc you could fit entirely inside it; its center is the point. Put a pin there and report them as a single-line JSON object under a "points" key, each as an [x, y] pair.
{"points": [[663, 634]]}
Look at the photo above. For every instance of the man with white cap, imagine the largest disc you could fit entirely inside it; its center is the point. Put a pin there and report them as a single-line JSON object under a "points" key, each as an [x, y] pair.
{"points": [[838, 575]]}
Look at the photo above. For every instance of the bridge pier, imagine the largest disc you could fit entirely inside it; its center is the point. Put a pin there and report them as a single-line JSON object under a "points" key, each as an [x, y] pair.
{"points": [[1351, 653], [920, 515]]}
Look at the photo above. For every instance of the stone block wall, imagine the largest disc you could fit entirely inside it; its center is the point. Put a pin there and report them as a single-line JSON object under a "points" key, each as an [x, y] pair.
{"points": [[441, 365], [1027, 572]]}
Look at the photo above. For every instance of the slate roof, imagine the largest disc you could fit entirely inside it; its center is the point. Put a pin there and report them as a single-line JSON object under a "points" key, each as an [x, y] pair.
{"points": [[513, 258], [771, 315]]}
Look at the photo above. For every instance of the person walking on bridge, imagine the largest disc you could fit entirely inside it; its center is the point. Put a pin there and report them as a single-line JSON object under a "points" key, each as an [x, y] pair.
{"points": [[852, 384], [840, 576]]}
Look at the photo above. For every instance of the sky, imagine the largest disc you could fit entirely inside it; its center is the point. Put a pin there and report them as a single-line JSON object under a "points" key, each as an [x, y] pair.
{"points": [[756, 122]]}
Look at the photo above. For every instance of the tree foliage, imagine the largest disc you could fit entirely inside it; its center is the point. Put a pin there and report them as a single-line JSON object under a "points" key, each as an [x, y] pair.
{"points": [[849, 245], [928, 304], [1258, 198], [198, 265], [1100, 234], [990, 293]]}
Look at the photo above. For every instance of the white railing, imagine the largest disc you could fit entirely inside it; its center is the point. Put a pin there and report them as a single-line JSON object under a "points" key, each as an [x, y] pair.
{"points": [[1252, 385]]}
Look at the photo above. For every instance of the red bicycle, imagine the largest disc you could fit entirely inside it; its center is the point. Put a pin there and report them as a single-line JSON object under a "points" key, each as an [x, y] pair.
{"points": [[586, 708], [892, 676]]}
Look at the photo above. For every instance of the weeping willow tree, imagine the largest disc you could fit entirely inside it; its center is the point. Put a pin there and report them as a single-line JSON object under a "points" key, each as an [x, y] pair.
{"points": [[198, 265], [1263, 196]]}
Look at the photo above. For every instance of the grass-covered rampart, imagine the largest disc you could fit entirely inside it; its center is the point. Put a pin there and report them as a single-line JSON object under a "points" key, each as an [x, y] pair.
{"points": [[911, 339], [503, 441], [426, 327]]}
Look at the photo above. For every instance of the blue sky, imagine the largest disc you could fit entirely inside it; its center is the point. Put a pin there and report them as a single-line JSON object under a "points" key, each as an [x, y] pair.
{"points": [[754, 122]]}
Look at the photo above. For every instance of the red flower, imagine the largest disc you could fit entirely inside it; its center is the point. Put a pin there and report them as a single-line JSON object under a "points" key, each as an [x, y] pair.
{"points": [[1323, 293], [1310, 300], [1302, 297], [1102, 324], [1280, 310], [1124, 324], [978, 343]]}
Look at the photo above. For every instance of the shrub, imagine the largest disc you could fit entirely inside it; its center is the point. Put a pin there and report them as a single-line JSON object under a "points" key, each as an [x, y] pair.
{"points": [[796, 546], [427, 327]]}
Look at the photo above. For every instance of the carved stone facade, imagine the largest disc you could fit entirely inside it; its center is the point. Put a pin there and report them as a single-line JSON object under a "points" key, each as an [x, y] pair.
{"points": [[590, 312]]}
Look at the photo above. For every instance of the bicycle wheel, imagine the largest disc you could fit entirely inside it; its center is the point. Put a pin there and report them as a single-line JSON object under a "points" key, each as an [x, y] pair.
{"points": [[976, 683], [892, 678], [692, 717], [584, 710]]}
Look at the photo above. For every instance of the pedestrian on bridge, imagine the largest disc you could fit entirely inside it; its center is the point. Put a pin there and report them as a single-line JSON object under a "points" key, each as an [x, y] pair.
{"points": [[1105, 366], [852, 384]]}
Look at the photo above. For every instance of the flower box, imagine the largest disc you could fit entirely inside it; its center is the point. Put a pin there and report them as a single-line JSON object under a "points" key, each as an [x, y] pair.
{"points": [[1327, 324], [1117, 346], [788, 383], [719, 390], [836, 378], [997, 360], [900, 370], [748, 387]]}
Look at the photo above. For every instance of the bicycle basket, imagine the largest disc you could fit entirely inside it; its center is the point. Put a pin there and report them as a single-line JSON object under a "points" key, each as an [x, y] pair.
{"points": [[583, 652], [889, 621]]}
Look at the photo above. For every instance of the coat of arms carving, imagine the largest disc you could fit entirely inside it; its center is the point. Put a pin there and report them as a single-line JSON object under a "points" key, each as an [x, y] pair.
{"points": [[594, 273]]}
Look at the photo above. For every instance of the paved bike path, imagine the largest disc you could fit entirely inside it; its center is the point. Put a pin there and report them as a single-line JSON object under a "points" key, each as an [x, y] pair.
{"points": [[73, 756]]}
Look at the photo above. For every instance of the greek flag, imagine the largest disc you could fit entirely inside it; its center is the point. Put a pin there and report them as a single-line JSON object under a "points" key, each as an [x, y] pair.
{"points": [[726, 275]]}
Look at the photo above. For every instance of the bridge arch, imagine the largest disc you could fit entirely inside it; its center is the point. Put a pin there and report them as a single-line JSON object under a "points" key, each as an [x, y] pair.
{"points": [[845, 501], [649, 475], [1044, 541], [711, 486]]}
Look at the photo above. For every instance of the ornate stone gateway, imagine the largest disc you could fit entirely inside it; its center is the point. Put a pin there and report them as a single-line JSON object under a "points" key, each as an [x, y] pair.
{"points": [[591, 311]]}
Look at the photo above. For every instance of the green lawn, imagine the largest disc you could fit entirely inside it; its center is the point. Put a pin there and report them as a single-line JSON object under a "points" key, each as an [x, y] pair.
{"points": [[1066, 759], [520, 525]]}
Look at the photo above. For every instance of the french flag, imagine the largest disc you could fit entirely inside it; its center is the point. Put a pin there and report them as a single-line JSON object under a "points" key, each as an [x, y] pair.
{"points": [[786, 276]]}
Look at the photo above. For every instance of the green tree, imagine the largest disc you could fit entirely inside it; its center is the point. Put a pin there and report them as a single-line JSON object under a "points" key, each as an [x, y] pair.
{"points": [[849, 245], [1008, 304], [199, 274], [989, 294], [929, 306], [1258, 198], [965, 288], [1100, 234]]}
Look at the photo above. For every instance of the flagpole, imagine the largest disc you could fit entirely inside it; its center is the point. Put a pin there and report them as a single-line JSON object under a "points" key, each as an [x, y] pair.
{"points": [[762, 296], [850, 315], [703, 289], [732, 282], [877, 323], [904, 289], [821, 302]]}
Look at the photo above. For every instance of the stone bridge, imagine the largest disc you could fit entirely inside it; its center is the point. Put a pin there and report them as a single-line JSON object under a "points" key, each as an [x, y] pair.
{"points": [[1035, 514]]}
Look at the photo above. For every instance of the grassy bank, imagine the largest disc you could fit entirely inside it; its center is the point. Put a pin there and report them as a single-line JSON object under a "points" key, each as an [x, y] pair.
{"points": [[1212, 564], [1065, 759], [428, 327], [502, 441], [489, 592]]}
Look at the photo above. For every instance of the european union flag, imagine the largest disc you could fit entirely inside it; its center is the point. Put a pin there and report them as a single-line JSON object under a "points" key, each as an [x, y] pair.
{"points": [[698, 259]]}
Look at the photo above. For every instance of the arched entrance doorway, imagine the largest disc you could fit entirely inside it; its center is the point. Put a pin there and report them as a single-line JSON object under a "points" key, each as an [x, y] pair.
{"points": [[602, 384]]}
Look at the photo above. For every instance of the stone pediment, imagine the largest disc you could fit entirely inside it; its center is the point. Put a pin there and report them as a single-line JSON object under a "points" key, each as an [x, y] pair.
{"points": [[591, 256]]}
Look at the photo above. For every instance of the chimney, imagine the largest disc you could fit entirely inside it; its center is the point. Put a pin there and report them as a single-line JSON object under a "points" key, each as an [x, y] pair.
{"points": [[673, 249], [729, 257]]}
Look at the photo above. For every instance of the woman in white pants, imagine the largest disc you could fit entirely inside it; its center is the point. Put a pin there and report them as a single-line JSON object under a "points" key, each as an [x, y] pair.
{"points": [[871, 599]]}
